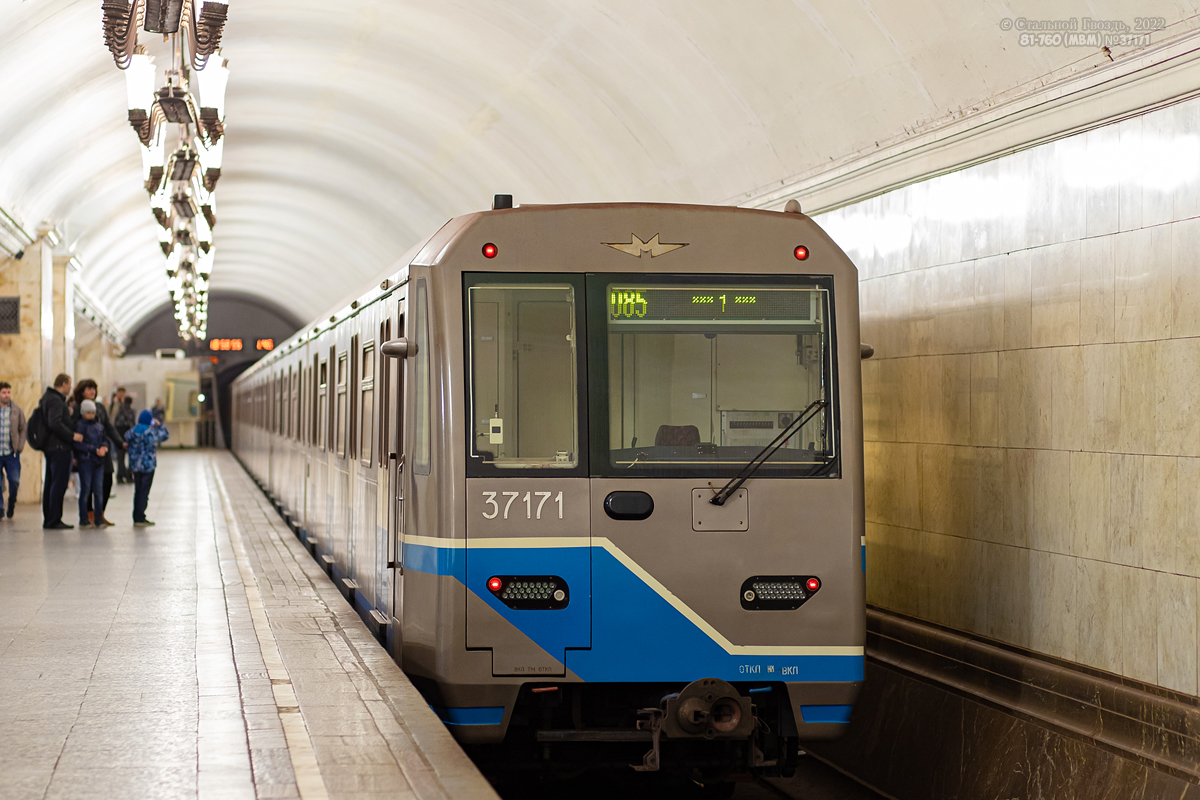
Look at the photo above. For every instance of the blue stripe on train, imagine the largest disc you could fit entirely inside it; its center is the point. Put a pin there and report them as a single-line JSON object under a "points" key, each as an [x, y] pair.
{"points": [[826, 713], [470, 715], [636, 635], [451, 561]]}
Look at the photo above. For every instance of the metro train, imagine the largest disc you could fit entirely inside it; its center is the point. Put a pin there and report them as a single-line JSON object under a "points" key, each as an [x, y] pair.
{"points": [[593, 474]]}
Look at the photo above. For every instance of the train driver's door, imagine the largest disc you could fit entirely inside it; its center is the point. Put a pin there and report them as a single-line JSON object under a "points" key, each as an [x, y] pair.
{"points": [[392, 434]]}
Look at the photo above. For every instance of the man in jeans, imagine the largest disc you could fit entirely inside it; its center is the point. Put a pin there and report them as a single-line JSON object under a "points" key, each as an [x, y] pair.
{"points": [[12, 442], [60, 446]]}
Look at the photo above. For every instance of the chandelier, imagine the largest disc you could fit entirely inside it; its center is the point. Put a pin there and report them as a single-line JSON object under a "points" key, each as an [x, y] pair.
{"points": [[180, 122]]}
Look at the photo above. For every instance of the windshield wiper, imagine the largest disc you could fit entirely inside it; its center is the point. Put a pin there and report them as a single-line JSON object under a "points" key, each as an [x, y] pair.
{"points": [[753, 464]]}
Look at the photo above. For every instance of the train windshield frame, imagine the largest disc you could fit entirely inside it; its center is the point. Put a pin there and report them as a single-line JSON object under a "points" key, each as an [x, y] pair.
{"points": [[526, 383], [692, 375]]}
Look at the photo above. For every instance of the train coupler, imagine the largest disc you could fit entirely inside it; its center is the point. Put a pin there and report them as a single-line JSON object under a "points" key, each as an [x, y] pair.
{"points": [[709, 708]]}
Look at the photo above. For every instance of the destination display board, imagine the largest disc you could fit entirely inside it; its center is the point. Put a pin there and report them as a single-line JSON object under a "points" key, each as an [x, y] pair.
{"points": [[627, 304]]}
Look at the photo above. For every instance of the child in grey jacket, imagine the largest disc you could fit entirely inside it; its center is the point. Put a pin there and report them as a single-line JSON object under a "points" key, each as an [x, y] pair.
{"points": [[91, 453]]}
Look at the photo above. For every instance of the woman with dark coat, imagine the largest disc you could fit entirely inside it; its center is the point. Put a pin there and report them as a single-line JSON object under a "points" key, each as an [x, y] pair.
{"points": [[87, 389]]}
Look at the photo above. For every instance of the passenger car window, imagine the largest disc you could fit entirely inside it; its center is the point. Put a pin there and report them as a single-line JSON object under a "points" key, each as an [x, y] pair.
{"points": [[367, 405], [322, 415], [340, 424]]}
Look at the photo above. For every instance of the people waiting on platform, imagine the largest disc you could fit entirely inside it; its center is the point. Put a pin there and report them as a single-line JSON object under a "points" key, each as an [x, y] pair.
{"points": [[12, 442], [123, 420], [58, 449], [143, 442], [93, 454], [115, 402], [160, 413], [87, 390]]}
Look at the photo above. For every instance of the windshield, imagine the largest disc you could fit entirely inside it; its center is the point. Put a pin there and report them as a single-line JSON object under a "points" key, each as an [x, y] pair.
{"points": [[702, 374]]}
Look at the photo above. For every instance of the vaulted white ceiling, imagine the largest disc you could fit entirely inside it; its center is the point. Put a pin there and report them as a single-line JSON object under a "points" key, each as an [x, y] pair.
{"points": [[356, 127]]}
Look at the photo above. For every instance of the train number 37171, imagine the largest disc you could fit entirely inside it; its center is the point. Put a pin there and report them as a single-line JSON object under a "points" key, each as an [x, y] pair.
{"points": [[533, 501]]}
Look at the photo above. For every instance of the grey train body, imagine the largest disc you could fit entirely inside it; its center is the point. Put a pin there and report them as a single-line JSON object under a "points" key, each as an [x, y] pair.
{"points": [[485, 502]]}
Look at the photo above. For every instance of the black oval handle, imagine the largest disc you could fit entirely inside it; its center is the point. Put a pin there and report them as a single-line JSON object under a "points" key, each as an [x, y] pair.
{"points": [[629, 505]]}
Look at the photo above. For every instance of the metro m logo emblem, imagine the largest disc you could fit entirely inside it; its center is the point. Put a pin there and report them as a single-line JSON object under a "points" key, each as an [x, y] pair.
{"points": [[637, 248]]}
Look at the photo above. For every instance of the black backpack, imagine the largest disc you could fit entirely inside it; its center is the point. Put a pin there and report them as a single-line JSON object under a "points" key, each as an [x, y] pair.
{"points": [[37, 432]]}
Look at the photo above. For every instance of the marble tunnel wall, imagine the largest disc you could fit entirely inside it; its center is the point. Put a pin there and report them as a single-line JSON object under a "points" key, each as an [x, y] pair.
{"points": [[1033, 407]]}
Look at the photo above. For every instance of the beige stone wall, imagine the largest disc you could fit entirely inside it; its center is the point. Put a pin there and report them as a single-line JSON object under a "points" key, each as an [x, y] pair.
{"points": [[1033, 408], [153, 373], [95, 357], [20, 355]]}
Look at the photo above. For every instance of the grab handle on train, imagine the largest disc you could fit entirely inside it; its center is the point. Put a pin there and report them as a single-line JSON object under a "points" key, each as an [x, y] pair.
{"points": [[399, 348]]}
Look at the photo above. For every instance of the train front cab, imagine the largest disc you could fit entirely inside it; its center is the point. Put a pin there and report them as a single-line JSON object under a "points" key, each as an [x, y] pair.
{"points": [[589, 417]]}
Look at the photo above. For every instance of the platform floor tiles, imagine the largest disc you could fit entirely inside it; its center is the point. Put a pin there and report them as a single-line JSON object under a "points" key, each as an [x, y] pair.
{"points": [[207, 657]]}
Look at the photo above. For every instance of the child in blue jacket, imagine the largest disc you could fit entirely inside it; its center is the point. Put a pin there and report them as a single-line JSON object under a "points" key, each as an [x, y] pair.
{"points": [[91, 453], [143, 441]]}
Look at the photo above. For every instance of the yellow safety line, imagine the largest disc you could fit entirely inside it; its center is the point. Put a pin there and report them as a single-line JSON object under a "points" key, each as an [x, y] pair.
{"points": [[300, 748]]}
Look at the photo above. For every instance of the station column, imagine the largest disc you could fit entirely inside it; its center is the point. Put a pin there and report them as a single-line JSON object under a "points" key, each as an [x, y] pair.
{"points": [[37, 334]]}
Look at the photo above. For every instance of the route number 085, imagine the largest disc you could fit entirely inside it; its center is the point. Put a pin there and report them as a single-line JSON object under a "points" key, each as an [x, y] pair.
{"points": [[530, 500]]}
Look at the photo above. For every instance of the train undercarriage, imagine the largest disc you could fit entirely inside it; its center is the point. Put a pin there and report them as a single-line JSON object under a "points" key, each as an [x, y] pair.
{"points": [[707, 733]]}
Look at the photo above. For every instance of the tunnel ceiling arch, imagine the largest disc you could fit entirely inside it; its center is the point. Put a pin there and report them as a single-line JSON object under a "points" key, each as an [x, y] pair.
{"points": [[355, 128]]}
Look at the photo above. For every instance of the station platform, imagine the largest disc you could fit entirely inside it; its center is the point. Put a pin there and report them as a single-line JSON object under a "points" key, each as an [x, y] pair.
{"points": [[208, 656]]}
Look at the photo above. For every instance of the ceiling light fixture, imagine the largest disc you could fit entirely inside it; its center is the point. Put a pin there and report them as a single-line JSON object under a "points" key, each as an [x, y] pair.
{"points": [[184, 205], [186, 111], [182, 165]]}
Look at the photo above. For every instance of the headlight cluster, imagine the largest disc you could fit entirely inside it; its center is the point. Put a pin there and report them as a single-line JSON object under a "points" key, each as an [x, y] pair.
{"points": [[778, 592], [530, 592]]}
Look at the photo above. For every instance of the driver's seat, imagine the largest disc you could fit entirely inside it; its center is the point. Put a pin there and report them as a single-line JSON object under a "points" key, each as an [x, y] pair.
{"points": [[677, 436]]}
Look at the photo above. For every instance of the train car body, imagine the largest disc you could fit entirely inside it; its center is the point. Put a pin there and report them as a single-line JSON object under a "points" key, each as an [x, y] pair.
{"points": [[507, 452]]}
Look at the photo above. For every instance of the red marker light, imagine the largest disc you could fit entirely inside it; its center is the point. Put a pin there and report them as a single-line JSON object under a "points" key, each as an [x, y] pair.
{"points": [[813, 584], [495, 584], [801, 252], [489, 250]]}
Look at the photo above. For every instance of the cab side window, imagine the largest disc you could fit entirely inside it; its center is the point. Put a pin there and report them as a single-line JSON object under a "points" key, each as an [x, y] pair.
{"points": [[423, 429]]}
